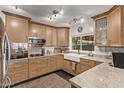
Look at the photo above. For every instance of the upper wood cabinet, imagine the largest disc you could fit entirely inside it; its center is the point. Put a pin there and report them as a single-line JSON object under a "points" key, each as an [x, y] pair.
{"points": [[54, 37], [109, 27], [62, 36], [48, 36], [17, 28], [51, 36], [37, 30], [101, 31], [114, 32]]}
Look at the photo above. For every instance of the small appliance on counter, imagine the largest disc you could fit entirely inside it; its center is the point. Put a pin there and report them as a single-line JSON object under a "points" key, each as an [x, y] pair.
{"points": [[118, 60]]}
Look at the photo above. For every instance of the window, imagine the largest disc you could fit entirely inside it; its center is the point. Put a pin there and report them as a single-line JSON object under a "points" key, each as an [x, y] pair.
{"points": [[87, 43], [83, 43], [76, 43]]}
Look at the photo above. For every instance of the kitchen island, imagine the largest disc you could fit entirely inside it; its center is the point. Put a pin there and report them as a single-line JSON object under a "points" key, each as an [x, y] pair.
{"points": [[100, 76]]}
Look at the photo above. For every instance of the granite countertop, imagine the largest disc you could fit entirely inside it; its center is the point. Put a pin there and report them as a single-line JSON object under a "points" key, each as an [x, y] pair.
{"points": [[100, 76], [54, 54]]}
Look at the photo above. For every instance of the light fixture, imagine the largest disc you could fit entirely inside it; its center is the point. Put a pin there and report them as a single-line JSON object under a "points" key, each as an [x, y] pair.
{"points": [[55, 13], [77, 20]]}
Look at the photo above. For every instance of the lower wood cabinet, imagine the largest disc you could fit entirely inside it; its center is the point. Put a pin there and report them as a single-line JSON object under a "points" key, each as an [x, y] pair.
{"points": [[60, 62], [23, 69], [86, 65], [67, 67], [18, 70], [38, 66], [52, 64]]}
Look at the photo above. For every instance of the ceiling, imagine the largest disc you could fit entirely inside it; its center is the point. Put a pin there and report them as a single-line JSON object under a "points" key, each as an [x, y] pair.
{"points": [[40, 13]]}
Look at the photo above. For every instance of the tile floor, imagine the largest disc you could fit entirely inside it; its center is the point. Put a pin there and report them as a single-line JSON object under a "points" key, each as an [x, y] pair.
{"points": [[59, 79]]}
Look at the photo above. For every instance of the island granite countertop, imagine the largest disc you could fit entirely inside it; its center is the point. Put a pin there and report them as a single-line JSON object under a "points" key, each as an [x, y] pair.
{"points": [[100, 76]]}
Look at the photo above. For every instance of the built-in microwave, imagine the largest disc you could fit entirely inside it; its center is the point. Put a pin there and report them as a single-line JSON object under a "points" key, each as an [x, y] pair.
{"points": [[36, 41]]}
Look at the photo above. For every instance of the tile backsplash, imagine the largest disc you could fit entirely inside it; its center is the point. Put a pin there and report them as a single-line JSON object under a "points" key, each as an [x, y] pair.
{"points": [[109, 49]]}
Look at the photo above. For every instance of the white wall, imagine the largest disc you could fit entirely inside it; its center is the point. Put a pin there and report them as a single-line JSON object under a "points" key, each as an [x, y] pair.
{"points": [[87, 29], [2, 15]]}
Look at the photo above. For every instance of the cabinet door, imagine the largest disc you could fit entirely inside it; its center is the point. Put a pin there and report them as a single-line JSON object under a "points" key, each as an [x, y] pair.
{"points": [[101, 31], [48, 36], [63, 37], [52, 64], [54, 37], [18, 70], [17, 29], [86, 65], [34, 30], [42, 31], [38, 66], [114, 32], [59, 61], [67, 66]]}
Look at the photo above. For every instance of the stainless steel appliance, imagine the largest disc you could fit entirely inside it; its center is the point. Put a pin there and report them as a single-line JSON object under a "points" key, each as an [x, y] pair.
{"points": [[35, 41], [4, 58], [36, 46]]}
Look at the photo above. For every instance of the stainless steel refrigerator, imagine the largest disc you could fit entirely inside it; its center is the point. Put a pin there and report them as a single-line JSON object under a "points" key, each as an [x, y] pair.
{"points": [[4, 57]]}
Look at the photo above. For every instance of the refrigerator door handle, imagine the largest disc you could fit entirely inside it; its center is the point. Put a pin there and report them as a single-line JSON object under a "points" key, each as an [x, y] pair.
{"points": [[6, 81]]}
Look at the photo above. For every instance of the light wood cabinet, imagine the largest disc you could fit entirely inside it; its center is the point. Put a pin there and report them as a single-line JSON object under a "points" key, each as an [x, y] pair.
{"points": [[67, 67], [48, 36], [17, 29], [37, 30], [60, 61], [18, 70], [52, 64], [113, 28], [114, 32], [101, 30], [62, 36], [51, 36], [54, 37], [85, 65], [38, 66]]}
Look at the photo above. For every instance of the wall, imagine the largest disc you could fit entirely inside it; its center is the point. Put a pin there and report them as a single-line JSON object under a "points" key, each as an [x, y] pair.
{"points": [[87, 29]]}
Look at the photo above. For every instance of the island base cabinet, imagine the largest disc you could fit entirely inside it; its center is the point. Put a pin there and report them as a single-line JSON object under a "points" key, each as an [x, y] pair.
{"points": [[86, 65]]}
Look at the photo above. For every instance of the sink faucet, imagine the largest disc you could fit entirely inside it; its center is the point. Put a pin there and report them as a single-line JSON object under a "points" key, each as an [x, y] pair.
{"points": [[90, 53], [78, 51]]}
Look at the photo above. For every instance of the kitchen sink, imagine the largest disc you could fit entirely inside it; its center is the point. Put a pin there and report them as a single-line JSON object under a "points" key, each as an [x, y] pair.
{"points": [[73, 57]]}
